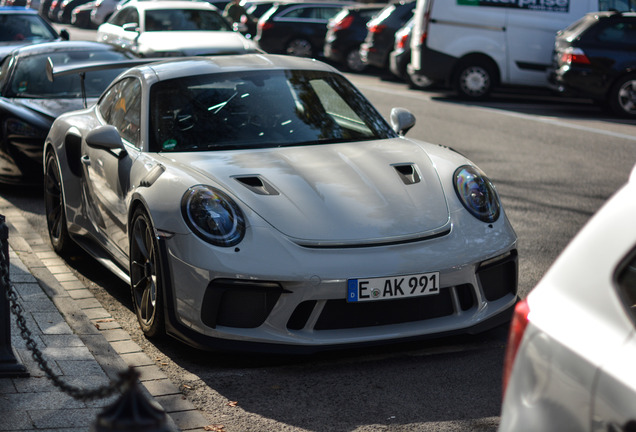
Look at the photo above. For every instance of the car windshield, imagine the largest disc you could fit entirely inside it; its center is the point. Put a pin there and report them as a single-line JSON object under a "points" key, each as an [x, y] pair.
{"points": [[260, 110], [29, 78], [16, 27], [185, 20]]}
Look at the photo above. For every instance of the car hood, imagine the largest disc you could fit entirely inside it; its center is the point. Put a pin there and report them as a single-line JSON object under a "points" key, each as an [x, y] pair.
{"points": [[50, 108], [355, 193], [195, 43]]}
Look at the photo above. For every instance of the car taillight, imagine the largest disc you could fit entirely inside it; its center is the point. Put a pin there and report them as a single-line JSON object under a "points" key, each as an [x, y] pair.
{"points": [[343, 23], [265, 25], [401, 43], [517, 328], [573, 56], [377, 28]]}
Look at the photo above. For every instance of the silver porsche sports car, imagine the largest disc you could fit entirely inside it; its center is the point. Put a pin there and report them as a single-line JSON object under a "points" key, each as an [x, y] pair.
{"points": [[260, 202]]}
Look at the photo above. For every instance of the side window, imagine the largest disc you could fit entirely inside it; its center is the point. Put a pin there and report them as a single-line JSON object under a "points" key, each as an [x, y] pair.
{"points": [[121, 107], [626, 281], [325, 13], [619, 32], [126, 15], [299, 12]]}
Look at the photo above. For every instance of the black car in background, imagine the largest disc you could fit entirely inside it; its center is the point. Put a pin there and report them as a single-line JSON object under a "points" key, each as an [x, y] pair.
{"points": [[29, 102], [346, 31], [23, 26], [380, 37], [595, 58], [296, 28]]}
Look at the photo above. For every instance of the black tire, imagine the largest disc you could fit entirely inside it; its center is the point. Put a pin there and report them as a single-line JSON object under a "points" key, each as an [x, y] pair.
{"points": [[299, 47], [145, 276], [418, 82], [474, 79], [354, 61], [54, 207], [622, 97]]}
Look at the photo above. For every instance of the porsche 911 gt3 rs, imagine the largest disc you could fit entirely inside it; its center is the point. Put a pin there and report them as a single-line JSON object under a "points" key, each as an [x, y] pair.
{"points": [[261, 202]]}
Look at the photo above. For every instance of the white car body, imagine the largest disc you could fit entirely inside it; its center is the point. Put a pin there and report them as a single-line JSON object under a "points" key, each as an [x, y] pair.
{"points": [[137, 37], [319, 218], [574, 363]]}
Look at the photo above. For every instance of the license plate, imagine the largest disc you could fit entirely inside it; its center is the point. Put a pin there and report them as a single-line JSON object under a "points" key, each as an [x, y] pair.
{"points": [[388, 288]]}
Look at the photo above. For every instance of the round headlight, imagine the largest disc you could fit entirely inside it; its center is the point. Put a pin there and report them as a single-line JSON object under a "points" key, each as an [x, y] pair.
{"points": [[213, 216], [477, 193]]}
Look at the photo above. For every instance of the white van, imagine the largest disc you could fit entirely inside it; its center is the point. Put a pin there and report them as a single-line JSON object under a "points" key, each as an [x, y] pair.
{"points": [[476, 45]]}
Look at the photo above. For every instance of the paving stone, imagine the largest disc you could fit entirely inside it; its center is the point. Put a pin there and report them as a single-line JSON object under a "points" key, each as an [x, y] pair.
{"points": [[15, 420], [137, 359], [174, 403], [186, 420], [126, 347], [64, 418], [51, 323], [115, 335], [83, 368], [62, 341], [68, 353], [97, 313], [162, 387], [88, 303], [80, 294], [150, 373]]}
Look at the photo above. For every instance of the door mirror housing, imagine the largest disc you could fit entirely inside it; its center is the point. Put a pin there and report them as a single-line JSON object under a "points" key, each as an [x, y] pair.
{"points": [[402, 120]]}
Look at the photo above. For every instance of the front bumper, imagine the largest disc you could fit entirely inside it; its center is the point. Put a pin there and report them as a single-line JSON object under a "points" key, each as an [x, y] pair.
{"points": [[280, 297]]}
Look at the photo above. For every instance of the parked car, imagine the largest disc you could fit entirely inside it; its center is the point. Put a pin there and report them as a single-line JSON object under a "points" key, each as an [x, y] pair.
{"points": [[81, 16], [474, 47], [255, 10], [23, 26], [296, 28], [380, 37], [266, 205], [173, 28], [572, 344], [346, 31], [103, 10], [65, 12], [400, 57], [29, 102], [595, 57]]}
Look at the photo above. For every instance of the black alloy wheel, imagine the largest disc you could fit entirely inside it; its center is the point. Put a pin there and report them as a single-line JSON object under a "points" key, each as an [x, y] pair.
{"points": [[54, 207], [145, 276], [622, 97]]}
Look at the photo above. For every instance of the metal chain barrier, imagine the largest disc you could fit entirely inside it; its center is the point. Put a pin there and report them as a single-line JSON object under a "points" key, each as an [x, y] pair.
{"points": [[126, 379]]}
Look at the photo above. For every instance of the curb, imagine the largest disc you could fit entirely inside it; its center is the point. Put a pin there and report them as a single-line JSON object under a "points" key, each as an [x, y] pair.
{"points": [[111, 346]]}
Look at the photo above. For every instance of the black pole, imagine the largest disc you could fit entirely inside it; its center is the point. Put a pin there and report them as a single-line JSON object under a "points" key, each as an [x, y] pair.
{"points": [[10, 366]]}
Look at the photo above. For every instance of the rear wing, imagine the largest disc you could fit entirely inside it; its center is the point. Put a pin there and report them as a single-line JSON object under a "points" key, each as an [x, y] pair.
{"points": [[53, 71]]}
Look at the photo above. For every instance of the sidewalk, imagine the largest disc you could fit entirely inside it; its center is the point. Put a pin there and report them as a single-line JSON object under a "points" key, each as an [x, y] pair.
{"points": [[80, 340]]}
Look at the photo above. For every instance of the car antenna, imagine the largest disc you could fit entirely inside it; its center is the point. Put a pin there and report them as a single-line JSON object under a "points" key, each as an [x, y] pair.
{"points": [[50, 76]]}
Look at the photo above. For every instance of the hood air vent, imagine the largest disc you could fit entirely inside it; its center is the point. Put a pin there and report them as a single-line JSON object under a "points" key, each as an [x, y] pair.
{"points": [[257, 185], [408, 173]]}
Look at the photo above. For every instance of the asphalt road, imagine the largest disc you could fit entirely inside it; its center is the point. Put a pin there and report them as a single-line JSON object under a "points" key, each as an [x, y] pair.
{"points": [[554, 162]]}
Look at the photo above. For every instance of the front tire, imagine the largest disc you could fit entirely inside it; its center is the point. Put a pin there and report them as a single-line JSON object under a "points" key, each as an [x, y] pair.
{"points": [[474, 79], [354, 61], [622, 97], [54, 207], [299, 48], [145, 276]]}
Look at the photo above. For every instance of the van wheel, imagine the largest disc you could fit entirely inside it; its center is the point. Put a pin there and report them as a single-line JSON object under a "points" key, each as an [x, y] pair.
{"points": [[299, 48], [622, 97], [417, 81], [474, 79]]}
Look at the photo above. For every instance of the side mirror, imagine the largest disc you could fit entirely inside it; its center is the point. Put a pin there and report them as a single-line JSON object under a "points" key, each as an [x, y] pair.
{"points": [[106, 138], [402, 120], [65, 35]]}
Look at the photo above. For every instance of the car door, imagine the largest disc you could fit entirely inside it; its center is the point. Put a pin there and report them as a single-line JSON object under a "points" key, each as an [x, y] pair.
{"points": [[107, 172], [615, 390]]}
